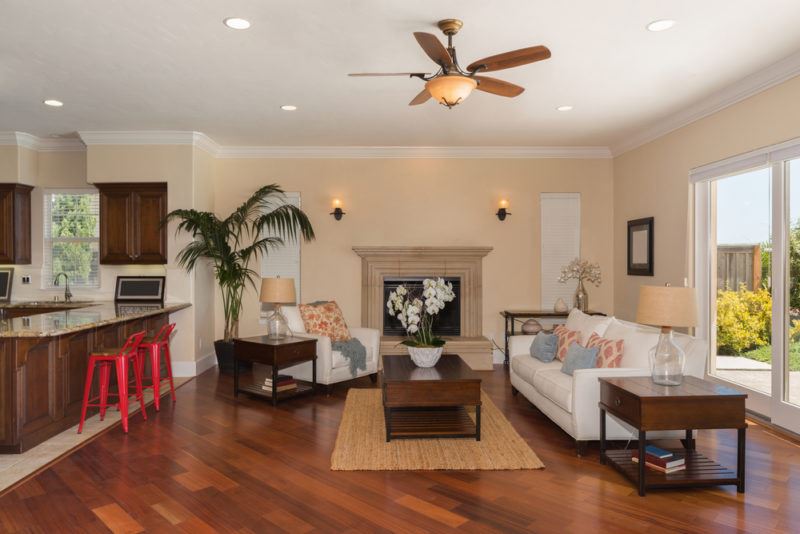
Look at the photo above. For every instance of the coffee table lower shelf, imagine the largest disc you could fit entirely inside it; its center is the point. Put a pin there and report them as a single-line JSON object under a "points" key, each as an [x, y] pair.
{"points": [[700, 471], [431, 422]]}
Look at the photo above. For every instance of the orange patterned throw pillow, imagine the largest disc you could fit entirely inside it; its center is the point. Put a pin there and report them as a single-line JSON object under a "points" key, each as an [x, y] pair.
{"points": [[566, 337], [325, 318], [610, 353]]}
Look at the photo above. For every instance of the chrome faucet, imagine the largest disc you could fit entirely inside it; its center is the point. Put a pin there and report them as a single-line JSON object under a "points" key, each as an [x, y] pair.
{"points": [[67, 292]]}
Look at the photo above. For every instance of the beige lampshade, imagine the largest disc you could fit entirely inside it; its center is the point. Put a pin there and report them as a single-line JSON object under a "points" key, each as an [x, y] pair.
{"points": [[667, 306], [277, 290]]}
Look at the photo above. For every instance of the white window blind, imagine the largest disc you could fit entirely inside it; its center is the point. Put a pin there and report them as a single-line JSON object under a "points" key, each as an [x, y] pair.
{"points": [[71, 237], [283, 261], [561, 243]]}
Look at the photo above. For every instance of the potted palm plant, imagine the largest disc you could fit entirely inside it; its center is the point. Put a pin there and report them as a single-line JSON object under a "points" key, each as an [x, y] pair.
{"points": [[261, 224]]}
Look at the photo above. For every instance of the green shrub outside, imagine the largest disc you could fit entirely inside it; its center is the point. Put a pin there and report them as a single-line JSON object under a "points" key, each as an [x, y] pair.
{"points": [[744, 320]]}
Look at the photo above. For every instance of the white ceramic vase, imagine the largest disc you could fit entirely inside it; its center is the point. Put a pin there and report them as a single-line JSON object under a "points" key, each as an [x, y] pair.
{"points": [[425, 356]]}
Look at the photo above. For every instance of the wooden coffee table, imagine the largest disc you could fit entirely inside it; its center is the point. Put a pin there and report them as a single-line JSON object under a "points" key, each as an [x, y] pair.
{"points": [[693, 405], [430, 402]]}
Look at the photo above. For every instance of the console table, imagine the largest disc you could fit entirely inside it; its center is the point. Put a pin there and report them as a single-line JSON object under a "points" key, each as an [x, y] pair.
{"points": [[695, 404], [512, 316]]}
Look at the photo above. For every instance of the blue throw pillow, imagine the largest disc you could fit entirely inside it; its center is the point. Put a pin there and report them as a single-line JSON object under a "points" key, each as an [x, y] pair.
{"points": [[579, 357], [544, 347]]}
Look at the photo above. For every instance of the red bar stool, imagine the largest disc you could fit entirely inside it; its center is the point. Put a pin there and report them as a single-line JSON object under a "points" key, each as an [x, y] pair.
{"points": [[154, 346], [120, 358]]}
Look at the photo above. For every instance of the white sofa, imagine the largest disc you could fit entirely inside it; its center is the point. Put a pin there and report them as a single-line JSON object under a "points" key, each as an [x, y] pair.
{"points": [[572, 401], [332, 366]]}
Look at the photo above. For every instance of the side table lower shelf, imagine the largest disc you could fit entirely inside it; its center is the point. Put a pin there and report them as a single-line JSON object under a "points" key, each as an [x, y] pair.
{"points": [[255, 389], [700, 471]]}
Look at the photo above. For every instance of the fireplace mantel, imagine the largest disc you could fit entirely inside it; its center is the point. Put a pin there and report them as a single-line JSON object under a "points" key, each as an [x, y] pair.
{"points": [[464, 262]]}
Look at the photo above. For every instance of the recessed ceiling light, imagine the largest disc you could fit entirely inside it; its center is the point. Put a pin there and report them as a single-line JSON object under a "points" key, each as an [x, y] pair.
{"points": [[289, 107], [564, 108], [53, 103], [236, 23], [661, 25]]}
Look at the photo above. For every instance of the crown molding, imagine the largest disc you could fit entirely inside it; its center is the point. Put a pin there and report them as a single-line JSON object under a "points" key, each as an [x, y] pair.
{"points": [[775, 74], [207, 144], [139, 137], [41, 144], [412, 152]]}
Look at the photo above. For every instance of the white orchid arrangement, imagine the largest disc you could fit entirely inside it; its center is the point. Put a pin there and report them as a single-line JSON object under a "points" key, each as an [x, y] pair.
{"points": [[416, 310], [581, 270]]}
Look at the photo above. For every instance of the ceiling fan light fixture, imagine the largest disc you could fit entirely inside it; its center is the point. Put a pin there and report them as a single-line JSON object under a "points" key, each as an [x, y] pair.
{"points": [[451, 90]]}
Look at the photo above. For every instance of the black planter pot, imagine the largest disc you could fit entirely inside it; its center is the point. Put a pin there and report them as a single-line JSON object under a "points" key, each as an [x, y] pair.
{"points": [[224, 350]]}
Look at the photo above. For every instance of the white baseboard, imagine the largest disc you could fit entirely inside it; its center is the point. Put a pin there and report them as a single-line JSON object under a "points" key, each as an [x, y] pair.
{"points": [[498, 356], [194, 368]]}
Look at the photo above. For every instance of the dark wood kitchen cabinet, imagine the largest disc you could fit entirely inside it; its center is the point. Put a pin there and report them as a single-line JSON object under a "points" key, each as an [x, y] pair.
{"points": [[15, 224], [130, 223]]}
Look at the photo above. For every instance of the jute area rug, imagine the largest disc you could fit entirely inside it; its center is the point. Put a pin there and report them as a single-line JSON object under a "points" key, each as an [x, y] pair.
{"points": [[361, 442]]}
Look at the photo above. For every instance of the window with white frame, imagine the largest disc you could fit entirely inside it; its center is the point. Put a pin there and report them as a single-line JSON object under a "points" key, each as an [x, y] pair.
{"points": [[283, 261], [71, 237], [561, 243]]}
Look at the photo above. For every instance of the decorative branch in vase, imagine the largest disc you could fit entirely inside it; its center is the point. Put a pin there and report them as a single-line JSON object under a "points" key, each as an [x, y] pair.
{"points": [[582, 271], [416, 310]]}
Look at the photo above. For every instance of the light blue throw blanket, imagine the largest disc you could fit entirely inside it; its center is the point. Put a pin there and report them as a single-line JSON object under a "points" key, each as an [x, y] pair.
{"points": [[355, 353]]}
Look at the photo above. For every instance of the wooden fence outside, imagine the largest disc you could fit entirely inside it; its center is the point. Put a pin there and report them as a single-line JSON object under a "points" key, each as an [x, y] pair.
{"points": [[738, 265]]}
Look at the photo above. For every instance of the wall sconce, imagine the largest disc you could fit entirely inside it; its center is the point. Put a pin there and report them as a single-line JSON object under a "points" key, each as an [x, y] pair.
{"points": [[337, 209], [502, 211]]}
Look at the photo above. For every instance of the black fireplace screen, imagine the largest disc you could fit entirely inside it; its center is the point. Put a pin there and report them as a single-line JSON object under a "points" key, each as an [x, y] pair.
{"points": [[446, 323]]}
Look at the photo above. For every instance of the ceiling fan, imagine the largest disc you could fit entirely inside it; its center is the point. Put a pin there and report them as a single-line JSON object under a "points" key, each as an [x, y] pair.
{"points": [[451, 84]]}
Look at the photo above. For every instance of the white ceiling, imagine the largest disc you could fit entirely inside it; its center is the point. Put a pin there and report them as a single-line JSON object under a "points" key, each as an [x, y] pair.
{"points": [[156, 65]]}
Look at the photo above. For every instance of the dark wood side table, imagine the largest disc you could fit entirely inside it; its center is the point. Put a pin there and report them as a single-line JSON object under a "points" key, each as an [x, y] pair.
{"points": [[695, 404], [278, 354], [513, 316], [430, 402]]}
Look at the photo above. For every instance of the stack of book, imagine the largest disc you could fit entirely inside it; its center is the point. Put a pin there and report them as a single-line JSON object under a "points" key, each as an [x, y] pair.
{"points": [[284, 383], [660, 459]]}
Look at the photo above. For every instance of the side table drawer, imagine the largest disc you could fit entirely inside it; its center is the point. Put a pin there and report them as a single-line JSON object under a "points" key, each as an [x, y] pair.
{"points": [[621, 403]]}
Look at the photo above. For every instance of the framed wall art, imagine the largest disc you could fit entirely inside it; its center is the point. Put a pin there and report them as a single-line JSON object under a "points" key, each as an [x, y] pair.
{"points": [[640, 247]]}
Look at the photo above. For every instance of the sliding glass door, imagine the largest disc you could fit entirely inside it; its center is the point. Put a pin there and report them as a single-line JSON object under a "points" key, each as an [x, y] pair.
{"points": [[791, 368], [747, 272], [741, 304]]}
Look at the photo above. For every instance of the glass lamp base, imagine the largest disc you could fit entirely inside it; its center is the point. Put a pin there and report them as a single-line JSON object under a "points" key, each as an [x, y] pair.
{"points": [[277, 326], [667, 360]]}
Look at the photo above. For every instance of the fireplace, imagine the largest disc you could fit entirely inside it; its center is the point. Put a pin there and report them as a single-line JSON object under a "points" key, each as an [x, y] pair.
{"points": [[446, 323], [462, 264]]}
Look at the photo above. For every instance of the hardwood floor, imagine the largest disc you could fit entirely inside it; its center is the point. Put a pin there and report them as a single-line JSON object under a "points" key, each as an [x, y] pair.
{"points": [[215, 465]]}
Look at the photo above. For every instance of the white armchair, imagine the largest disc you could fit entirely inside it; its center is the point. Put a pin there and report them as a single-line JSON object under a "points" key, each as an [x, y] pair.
{"points": [[332, 366]]}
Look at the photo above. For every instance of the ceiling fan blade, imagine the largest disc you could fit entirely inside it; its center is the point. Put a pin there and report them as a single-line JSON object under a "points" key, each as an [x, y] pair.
{"points": [[515, 58], [359, 74], [435, 49], [498, 87], [421, 98]]}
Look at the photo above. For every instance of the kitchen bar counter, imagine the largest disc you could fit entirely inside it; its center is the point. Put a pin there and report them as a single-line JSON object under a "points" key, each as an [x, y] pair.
{"points": [[79, 316], [44, 357]]}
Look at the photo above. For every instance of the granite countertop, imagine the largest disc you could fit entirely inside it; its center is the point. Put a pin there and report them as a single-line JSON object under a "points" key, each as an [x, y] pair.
{"points": [[59, 304], [80, 316]]}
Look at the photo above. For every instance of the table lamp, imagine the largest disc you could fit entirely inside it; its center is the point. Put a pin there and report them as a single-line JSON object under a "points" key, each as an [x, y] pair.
{"points": [[667, 307], [277, 291]]}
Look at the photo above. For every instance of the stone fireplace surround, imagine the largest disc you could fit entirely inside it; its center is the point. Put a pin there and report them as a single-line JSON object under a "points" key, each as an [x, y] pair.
{"points": [[464, 262]]}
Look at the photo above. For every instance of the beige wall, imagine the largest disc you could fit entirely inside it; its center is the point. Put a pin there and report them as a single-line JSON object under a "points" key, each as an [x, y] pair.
{"points": [[653, 180], [189, 174], [428, 202], [204, 305]]}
